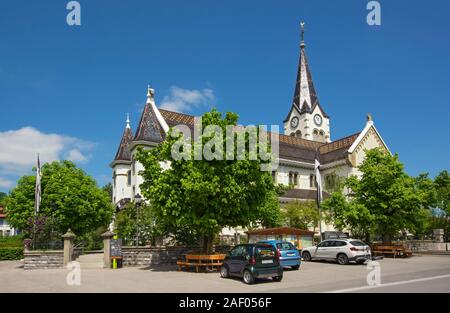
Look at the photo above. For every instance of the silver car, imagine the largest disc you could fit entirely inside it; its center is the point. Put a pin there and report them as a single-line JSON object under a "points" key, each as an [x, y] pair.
{"points": [[341, 250]]}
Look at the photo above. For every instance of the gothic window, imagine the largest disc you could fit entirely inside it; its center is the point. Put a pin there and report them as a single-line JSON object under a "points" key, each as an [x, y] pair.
{"points": [[316, 135], [330, 182], [322, 136], [129, 178], [114, 179], [291, 178], [296, 180], [298, 134]]}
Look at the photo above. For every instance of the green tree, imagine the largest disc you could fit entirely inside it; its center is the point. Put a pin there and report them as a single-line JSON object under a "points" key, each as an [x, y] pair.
{"points": [[2, 198], [384, 200], [108, 188], [301, 214], [441, 213], [206, 195], [70, 199]]}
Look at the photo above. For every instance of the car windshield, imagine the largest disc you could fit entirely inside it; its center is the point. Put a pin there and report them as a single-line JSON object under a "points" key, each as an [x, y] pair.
{"points": [[357, 243], [285, 246], [264, 251]]}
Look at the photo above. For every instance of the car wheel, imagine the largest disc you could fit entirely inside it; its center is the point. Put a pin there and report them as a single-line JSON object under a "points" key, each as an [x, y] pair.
{"points": [[296, 267], [342, 259], [277, 278], [306, 256], [248, 277], [224, 273]]}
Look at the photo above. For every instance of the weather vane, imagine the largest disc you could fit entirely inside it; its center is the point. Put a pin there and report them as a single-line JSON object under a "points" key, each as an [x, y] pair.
{"points": [[302, 26]]}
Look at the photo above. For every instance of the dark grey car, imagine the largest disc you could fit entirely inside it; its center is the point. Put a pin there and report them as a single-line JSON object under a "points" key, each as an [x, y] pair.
{"points": [[252, 261]]}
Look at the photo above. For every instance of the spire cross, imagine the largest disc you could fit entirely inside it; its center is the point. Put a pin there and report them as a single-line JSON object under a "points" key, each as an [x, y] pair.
{"points": [[302, 27]]}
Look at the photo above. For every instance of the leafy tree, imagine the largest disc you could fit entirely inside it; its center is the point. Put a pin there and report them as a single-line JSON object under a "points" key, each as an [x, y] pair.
{"points": [[108, 188], [206, 195], [301, 214], [384, 200], [442, 185], [2, 198], [70, 199]]}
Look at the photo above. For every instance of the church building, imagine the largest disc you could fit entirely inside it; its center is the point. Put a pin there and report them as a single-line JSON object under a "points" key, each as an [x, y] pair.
{"points": [[307, 137]]}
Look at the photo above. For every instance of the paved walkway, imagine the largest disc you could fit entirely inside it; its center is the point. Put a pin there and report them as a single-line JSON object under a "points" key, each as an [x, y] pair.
{"points": [[417, 274]]}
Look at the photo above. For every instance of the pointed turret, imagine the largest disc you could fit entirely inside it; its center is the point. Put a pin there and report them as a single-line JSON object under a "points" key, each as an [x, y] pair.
{"points": [[152, 126], [123, 152], [304, 86]]}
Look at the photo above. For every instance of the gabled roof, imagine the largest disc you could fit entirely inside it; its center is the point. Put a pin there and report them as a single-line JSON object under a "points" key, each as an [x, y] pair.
{"points": [[291, 148], [150, 128], [123, 153], [336, 150]]}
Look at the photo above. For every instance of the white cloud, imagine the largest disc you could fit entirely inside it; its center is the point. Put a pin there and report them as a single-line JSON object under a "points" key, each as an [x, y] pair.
{"points": [[76, 156], [184, 100], [19, 149], [5, 183]]}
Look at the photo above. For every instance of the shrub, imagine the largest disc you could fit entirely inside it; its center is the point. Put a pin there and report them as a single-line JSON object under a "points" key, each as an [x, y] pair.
{"points": [[13, 241], [11, 253]]}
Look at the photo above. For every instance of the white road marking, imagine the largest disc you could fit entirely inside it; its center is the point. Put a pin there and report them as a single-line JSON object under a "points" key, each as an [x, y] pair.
{"points": [[390, 284]]}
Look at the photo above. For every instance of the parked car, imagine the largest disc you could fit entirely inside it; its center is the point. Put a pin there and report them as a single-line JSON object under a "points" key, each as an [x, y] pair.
{"points": [[252, 261], [341, 250], [288, 254]]}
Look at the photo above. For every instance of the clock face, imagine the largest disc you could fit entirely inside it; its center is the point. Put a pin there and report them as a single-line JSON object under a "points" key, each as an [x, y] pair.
{"points": [[294, 122], [318, 119]]}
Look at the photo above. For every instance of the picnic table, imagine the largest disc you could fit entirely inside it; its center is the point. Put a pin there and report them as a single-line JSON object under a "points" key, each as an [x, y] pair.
{"points": [[201, 260], [394, 250]]}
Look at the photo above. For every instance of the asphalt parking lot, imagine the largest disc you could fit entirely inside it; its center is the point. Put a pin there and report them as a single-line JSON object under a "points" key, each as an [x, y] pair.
{"points": [[417, 274]]}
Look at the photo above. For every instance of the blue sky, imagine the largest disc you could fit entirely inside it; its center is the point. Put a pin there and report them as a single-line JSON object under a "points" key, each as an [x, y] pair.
{"points": [[66, 90]]}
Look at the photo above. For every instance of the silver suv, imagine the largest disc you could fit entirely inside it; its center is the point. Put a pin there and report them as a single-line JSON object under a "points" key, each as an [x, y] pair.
{"points": [[341, 250]]}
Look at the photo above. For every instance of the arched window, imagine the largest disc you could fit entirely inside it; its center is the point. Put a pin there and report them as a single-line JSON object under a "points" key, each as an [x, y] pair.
{"points": [[298, 134], [274, 176], [291, 178], [296, 182], [322, 136], [292, 134], [316, 135]]}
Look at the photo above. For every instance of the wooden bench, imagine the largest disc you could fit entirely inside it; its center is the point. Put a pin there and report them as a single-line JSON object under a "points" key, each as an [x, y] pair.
{"points": [[394, 250], [199, 261]]}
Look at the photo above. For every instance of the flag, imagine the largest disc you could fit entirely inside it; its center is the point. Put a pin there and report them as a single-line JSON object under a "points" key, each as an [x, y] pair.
{"points": [[318, 180], [37, 190]]}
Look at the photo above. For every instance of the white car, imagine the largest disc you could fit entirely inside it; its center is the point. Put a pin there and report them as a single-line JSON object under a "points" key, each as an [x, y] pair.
{"points": [[341, 250]]}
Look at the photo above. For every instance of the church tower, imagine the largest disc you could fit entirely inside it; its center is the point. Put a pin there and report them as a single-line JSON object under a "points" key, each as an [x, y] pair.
{"points": [[306, 119]]}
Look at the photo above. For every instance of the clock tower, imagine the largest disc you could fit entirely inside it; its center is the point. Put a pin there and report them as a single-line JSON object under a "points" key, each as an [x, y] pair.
{"points": [[306, 119]]}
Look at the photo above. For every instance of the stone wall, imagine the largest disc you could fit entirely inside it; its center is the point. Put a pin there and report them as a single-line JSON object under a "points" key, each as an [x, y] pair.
{"points": [[427, 245], [151, 256], [43, 259]]}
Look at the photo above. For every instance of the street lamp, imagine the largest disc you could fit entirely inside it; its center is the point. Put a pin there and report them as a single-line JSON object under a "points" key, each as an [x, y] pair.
{"points": [[138, 202]]}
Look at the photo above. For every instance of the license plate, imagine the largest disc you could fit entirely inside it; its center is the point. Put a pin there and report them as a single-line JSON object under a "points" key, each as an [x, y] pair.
{"points": [[290, 254], [266, 261]]}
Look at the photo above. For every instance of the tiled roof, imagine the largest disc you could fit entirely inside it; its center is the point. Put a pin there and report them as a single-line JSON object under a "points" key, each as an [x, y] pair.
{"points": [[149, 128], [291, 147], [123, 154]]}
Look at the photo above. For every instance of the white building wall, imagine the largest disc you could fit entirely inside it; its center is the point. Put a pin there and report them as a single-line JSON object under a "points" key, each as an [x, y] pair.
{"points": [[121, 188]]}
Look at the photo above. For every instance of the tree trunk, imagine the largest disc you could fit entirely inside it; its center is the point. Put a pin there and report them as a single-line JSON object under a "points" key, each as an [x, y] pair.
{"points": [[207, 244]]}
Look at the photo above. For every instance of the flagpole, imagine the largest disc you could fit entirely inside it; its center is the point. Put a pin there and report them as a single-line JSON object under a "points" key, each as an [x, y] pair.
{"points": [[319, 193], [37, 198]]}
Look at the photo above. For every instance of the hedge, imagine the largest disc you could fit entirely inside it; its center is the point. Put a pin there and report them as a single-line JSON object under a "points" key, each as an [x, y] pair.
{"points": [[11, 253], [13, 241]]}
